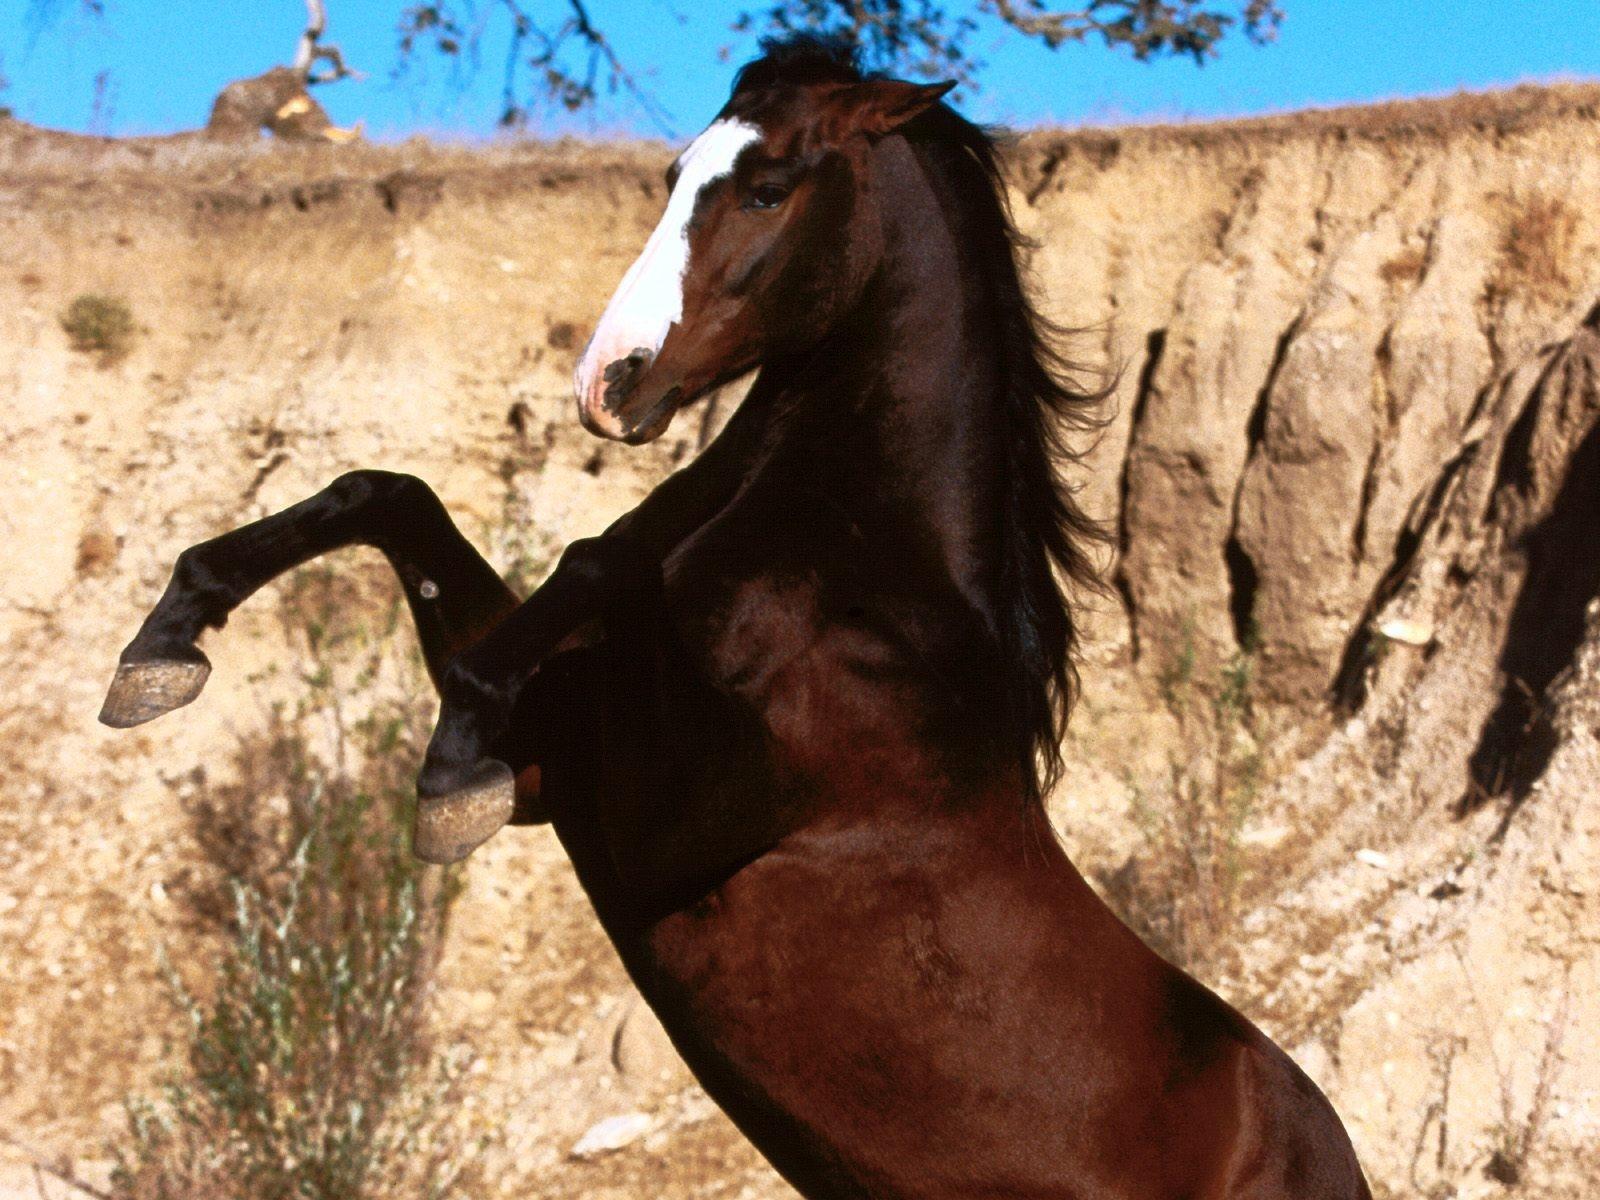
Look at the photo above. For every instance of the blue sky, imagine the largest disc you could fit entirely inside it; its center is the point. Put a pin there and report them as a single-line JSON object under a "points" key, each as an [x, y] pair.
{"points": [[161, 61]]}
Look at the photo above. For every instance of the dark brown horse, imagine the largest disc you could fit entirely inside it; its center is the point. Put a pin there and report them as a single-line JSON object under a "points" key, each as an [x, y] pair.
{"points": [[791, 716]]}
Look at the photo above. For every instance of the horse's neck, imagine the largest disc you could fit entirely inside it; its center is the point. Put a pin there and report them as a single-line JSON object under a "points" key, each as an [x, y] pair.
{"points": [[908, 386]]}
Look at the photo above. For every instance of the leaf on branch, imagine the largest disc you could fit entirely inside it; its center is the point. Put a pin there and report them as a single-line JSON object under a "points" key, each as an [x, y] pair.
{"points": [[1148, 28], [564, 58]]}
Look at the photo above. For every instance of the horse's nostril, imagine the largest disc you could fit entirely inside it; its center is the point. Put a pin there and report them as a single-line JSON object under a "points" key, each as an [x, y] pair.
{"points": [[625, 370], [622, 374]]}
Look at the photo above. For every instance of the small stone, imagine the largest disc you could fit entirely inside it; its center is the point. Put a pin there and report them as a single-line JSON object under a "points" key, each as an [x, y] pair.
{"points": [[1265, 836], [1373, 859], [612, 1134], [643, 1054], [1407, 633]]}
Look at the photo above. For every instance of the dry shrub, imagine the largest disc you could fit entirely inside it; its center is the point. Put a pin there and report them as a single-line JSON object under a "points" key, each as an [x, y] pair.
{"points": [[1518, 1139], [1536, 247], [1405, 267], [310, 1065], [100, 325]]}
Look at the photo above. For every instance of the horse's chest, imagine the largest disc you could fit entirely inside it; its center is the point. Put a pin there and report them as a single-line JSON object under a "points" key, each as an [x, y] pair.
{"points": [[832, 692]]}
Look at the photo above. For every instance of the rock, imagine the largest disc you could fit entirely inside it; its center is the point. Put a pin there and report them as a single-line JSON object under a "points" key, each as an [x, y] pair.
{"points": [[613, 1133], [644, 1056]]}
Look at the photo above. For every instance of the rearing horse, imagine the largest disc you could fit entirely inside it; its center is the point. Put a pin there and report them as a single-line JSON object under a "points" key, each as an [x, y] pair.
{"points": [[790, 716]]}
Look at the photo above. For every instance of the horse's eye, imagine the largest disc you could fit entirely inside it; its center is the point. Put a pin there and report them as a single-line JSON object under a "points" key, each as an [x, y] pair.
{"points": [[766, 196]]}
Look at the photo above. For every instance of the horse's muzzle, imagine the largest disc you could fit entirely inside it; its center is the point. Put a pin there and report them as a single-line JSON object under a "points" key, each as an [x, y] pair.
{"points": [[612, 403]]}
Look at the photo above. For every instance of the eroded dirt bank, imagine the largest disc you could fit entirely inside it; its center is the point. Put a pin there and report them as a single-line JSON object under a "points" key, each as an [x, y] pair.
{"points": [[1357, 394]]}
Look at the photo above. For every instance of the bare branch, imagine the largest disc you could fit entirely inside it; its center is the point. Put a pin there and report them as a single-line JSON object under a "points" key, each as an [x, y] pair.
{"points": [[570, 59], [316, 23], [61, 1171], [556, 47], [311, 51], [1054, 29]]}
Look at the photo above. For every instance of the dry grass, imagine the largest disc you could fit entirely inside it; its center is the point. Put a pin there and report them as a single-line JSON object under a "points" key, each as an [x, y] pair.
{"points": [[29, 152], [1518, 1138], [1497, 113], [1536, 250]]}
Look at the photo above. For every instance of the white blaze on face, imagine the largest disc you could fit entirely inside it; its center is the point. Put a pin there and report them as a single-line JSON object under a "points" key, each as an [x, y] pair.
{"points": [[649, 301]]}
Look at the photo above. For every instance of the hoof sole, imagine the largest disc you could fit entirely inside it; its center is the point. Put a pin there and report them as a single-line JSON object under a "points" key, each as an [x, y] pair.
{"points": [[453, 825], [143, 691]]}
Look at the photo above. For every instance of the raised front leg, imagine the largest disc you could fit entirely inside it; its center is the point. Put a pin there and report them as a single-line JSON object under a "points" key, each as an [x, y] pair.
{"points": [[461, 788], [455, 598]]}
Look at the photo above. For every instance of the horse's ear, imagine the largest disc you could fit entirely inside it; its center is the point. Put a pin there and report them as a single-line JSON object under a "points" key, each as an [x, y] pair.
{"points": [[880, 106]]}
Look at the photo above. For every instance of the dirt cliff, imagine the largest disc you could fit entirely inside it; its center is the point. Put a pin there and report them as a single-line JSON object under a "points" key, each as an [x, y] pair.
{"points": [[1338, 746]]}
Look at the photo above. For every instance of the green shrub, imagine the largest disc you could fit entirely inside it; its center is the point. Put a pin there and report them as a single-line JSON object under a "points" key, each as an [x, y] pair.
{"points": [[100, 325], [311, 1073]]}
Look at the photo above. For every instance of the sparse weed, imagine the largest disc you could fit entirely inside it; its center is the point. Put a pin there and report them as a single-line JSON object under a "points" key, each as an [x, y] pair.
{"points": [[521, 542], [1516, 1139], [100, 325], [1183, 891], [1176, 678], [309, 1057]]}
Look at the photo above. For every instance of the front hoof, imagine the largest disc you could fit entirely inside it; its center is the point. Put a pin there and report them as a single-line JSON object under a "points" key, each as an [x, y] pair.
{"points": [[143, 691], [452, 824]]}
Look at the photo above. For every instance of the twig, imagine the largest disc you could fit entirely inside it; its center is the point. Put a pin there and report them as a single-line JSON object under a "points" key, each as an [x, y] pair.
{"points": [[40, 1163], [1055, 29], [310, 51]]}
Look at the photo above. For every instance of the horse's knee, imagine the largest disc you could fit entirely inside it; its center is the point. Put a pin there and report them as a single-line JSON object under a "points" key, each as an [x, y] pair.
{"points": [[366, 484], [611, 564], [386, 505]]}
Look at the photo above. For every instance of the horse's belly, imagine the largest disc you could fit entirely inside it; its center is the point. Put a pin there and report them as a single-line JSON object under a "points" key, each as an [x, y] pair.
{"points": [[876, 1016]]}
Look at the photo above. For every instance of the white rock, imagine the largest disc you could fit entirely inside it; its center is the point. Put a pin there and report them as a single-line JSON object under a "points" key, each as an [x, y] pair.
{"points": [[1267, 836], [1373, 859], [612, 1134], [1409, 633]]}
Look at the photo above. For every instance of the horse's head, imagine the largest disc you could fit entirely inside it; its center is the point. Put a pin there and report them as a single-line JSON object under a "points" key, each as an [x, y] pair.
{"points": [[770, 233]]}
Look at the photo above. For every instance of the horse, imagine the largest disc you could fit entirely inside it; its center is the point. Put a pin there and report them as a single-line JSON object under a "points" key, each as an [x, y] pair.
{"points": [[793, 716]]}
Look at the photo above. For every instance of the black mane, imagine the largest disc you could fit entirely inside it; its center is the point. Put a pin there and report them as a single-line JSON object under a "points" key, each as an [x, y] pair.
{"points": [[798, 60], [1047, 536]]}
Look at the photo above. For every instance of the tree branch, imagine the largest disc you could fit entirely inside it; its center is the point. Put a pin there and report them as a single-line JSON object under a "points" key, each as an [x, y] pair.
{"points": [[310, 51], [569, 89], [1147, 27]]}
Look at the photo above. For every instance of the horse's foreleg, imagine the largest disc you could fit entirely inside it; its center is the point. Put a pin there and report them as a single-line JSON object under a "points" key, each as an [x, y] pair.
{"points": [[455, 597], [462, 785]]}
